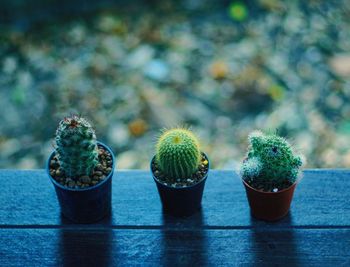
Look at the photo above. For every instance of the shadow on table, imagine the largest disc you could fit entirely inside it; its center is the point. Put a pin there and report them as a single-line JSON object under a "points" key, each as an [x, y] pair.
{"points": [[88, 247], [184, 242], [272, 244]]}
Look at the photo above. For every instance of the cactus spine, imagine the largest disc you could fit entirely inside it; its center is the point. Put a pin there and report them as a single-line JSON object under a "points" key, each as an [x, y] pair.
{"points": [[270, 159], [178, 154], [76, 147]]}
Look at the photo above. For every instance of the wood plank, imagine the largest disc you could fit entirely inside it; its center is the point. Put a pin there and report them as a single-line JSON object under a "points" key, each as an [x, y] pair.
{"points": [[62, 247], [321, 199]]}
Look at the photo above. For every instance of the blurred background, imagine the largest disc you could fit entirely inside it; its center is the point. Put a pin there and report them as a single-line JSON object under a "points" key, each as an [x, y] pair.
{"points": [[223, 68]]}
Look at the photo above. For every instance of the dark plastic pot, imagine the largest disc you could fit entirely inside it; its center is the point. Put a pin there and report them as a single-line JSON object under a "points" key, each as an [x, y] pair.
{"points": [[86, 205], [182, 201], [269, 206]]}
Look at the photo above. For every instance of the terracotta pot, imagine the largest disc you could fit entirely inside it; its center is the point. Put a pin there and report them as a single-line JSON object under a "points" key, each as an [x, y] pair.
{"points": [[269, 206], [181, 201]]}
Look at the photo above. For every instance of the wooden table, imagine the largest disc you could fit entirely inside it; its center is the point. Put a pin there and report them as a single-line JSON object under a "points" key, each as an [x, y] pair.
{"points": [[315, 233]]}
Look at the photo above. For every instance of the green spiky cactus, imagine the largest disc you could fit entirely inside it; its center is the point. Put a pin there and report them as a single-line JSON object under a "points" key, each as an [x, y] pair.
{"points": [[178, 154], [270, 159], [76, 147]]}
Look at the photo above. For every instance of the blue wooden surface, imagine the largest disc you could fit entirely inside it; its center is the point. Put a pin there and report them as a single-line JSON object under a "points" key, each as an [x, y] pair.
{"points": [[315, 233]]}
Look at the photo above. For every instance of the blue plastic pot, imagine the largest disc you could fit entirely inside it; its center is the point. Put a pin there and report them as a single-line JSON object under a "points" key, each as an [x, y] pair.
{"points": [[85, 205], [181, 201]]}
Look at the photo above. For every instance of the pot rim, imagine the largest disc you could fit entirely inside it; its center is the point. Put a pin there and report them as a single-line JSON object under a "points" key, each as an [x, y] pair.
{"points": [[263, 192], [184, 187], [81, 189]]}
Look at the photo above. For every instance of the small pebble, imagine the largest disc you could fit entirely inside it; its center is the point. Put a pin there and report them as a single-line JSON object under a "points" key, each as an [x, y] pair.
{"points": [[98, 173], [99, 167], [85, 179], [53, 164]]}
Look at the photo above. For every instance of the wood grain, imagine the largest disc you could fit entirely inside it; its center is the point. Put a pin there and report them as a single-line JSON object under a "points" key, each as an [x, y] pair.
{"points": [[321, 198], [62, 247], [315, 233]]}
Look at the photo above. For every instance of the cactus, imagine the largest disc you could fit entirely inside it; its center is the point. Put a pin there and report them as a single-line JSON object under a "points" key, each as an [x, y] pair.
{"points": [[270, 159], [76, 147], [178, 154]]}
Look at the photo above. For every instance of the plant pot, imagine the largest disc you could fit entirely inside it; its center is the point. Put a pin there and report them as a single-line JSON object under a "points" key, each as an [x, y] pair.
{"points": [[269, 206], [181, 201], [85, 205]]}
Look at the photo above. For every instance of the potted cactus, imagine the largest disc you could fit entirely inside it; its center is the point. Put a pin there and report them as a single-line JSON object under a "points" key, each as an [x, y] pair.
{"points": [[270, 173], [179, 170], [81, 170]]}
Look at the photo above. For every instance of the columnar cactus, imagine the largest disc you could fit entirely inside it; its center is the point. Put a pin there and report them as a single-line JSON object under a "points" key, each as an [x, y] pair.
{"points": [[178, 154], [76, 147], [270, 159]]}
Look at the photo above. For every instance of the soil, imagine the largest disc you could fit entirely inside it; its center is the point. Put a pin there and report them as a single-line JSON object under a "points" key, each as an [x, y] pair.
{"points": [[99, 174], [270, 186], [194, 179]]}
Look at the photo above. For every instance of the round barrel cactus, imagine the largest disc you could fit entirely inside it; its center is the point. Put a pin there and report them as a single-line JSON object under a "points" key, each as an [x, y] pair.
{"points": [[178, 154], [270, 158], [76, 147]]}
